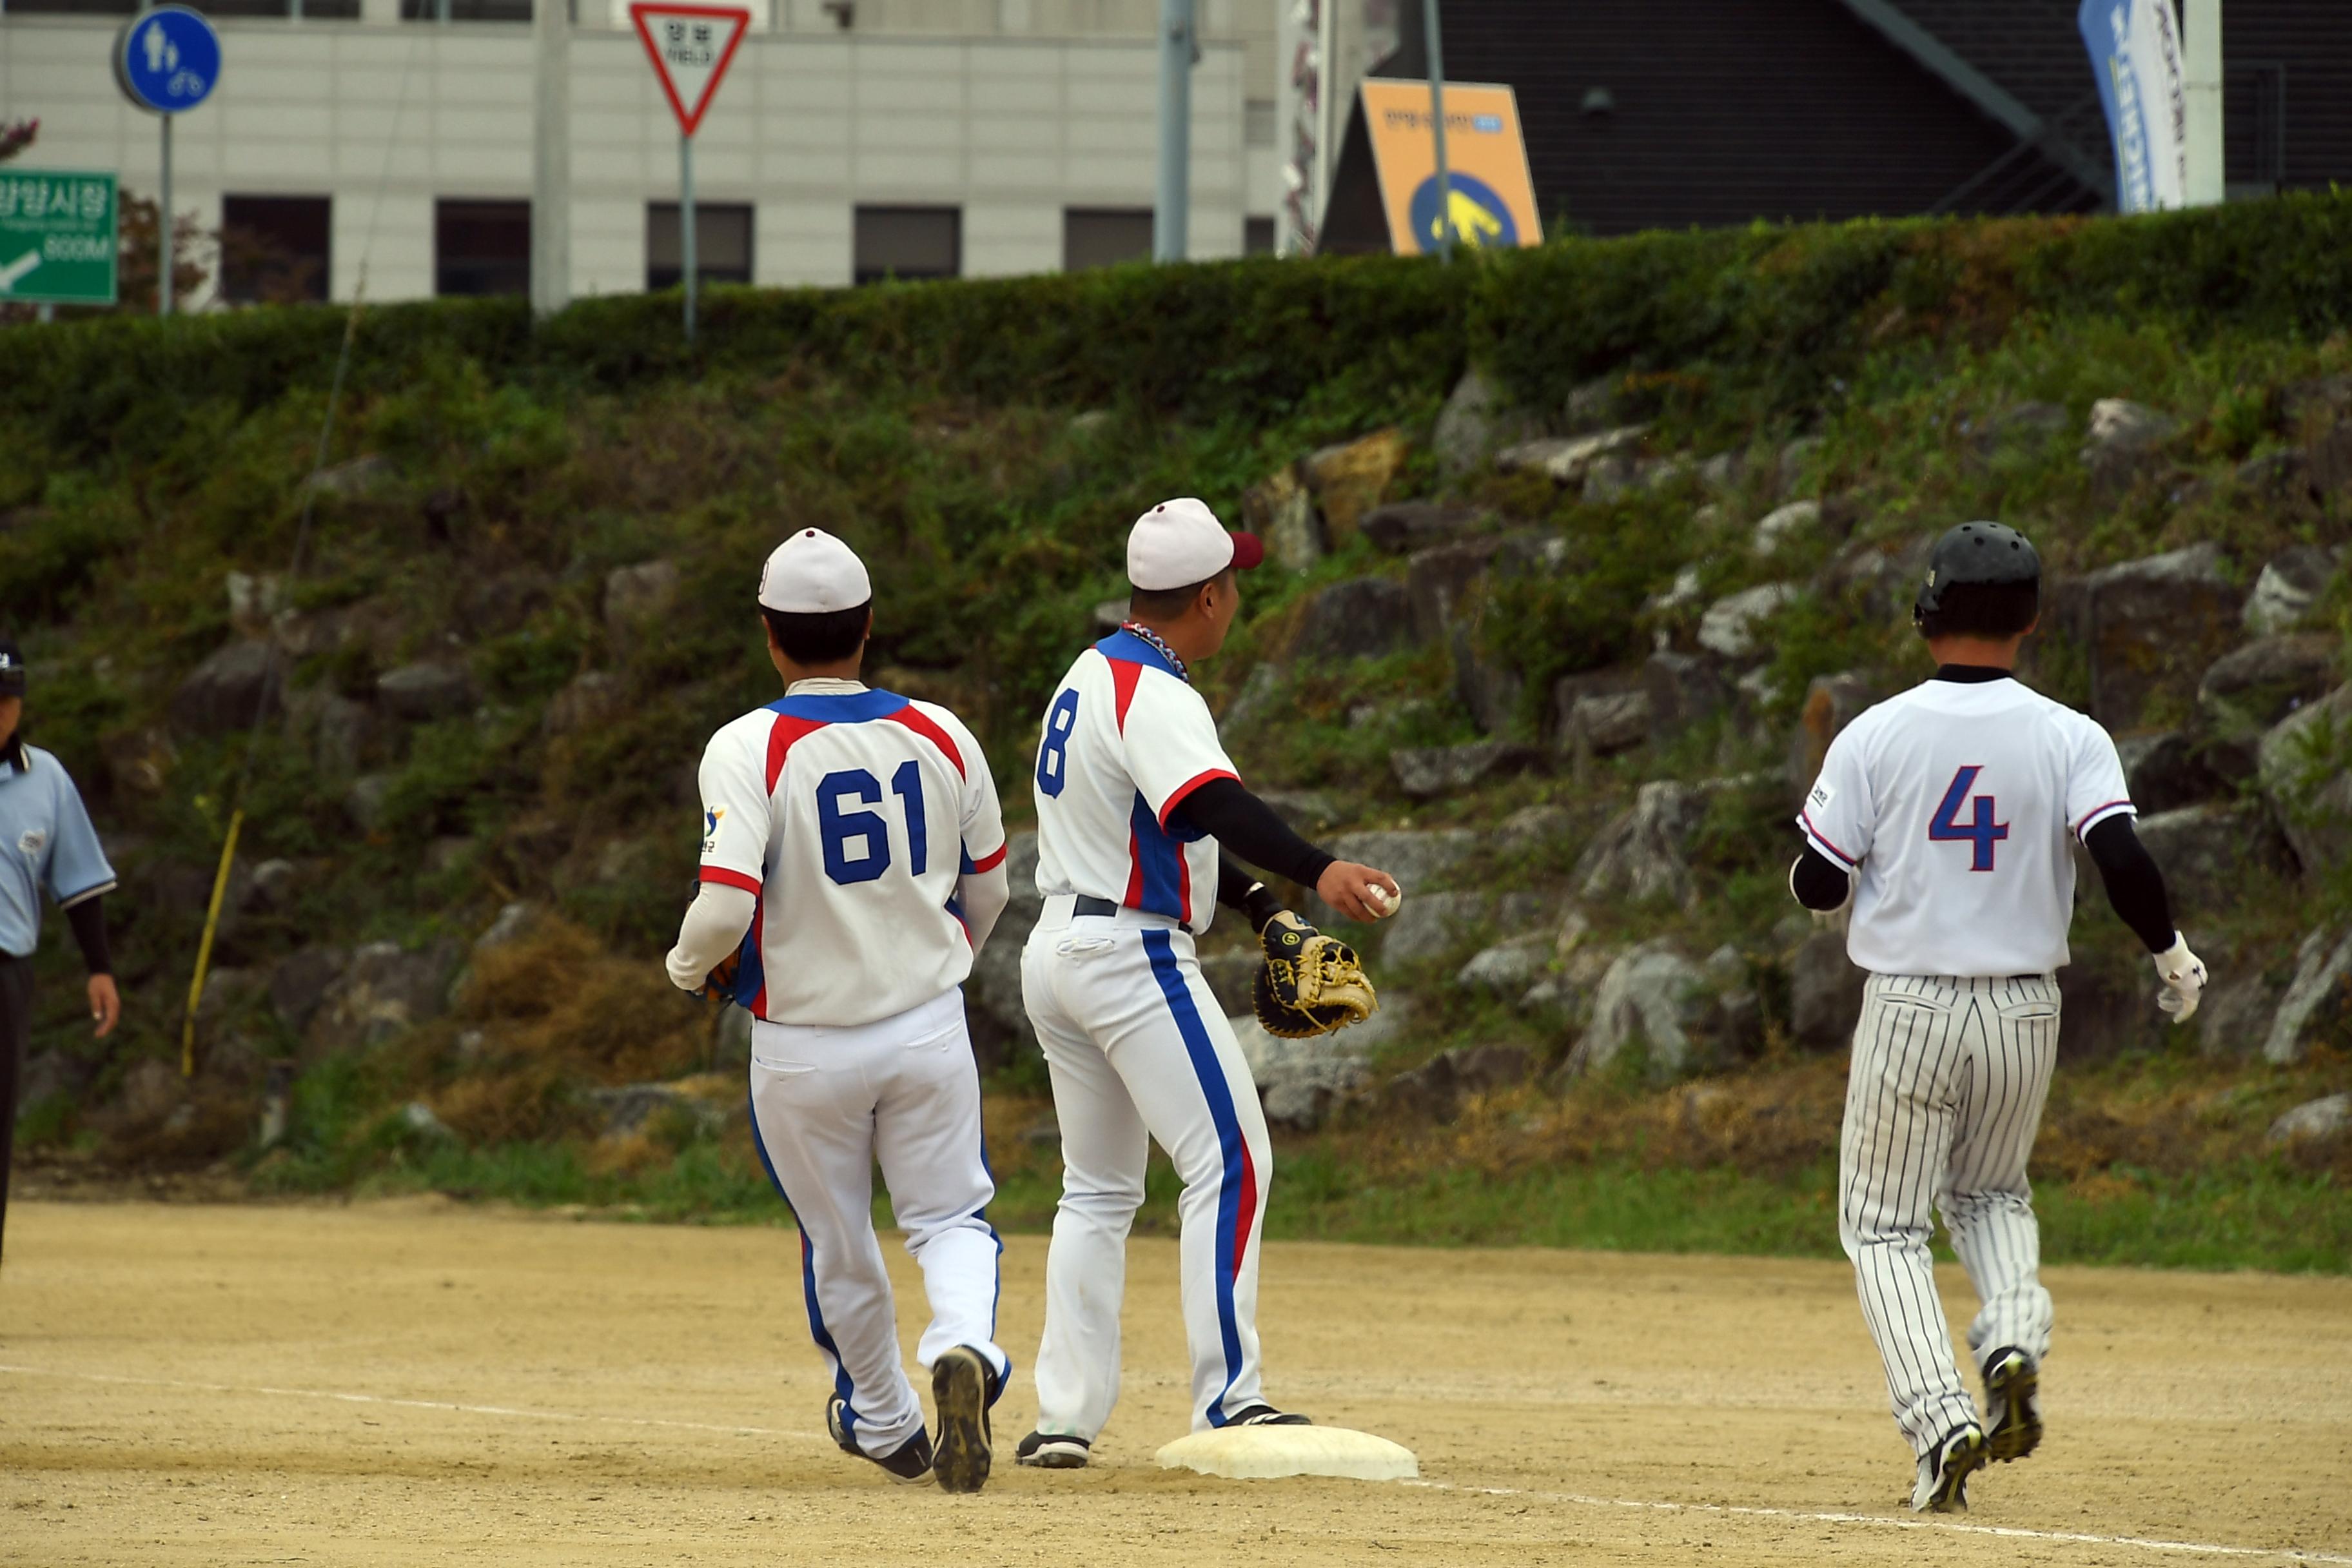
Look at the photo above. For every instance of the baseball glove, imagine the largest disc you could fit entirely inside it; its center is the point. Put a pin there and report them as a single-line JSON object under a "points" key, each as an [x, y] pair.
{"points": [[719, 983], [1311, 983]]}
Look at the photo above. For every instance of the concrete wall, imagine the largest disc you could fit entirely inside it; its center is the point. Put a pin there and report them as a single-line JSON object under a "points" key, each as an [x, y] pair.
{"points": [[809, 124]]}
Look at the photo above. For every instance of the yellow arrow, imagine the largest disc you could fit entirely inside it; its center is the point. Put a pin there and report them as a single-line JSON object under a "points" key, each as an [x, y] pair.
{"points": [[1472, 225]]}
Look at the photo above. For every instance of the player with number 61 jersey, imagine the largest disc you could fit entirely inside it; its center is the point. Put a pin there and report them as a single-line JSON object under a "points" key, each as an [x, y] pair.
{"points": [[862, 810], [853, 861]]}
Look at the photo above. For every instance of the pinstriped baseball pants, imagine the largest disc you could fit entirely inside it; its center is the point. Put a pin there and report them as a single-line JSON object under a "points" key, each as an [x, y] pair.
{"points": [[1942, 1103]]}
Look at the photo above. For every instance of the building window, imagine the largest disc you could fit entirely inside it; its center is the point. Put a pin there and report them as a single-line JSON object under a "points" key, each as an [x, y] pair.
{"points": [[722, 244], [1103, 236], [274, 251], [1257, 122], [481, 247], [1257, 236], [909, 242], [466, 11], [312, 10]]}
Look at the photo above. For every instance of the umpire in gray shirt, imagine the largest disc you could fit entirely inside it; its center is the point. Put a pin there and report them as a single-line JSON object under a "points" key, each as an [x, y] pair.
{"points": [[46, 842]]}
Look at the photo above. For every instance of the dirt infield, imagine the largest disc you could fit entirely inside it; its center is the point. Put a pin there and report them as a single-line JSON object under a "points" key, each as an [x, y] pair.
{"points": [[403, 1382]]}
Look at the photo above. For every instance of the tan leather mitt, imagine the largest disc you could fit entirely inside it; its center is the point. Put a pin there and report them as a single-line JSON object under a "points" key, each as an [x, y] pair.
{"points": [[1311, 983]]}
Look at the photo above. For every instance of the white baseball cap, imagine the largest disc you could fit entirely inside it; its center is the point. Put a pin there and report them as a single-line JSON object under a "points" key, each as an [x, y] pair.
{"points": [[1180, 542], [811, 573]]}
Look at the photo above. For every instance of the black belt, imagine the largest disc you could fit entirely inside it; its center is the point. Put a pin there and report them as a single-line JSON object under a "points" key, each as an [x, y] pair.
{"points": [[1088, 904]]}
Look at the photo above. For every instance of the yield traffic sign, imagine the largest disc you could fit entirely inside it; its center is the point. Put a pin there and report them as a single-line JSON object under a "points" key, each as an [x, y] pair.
{"points": [[691, 48], [57, 236]]}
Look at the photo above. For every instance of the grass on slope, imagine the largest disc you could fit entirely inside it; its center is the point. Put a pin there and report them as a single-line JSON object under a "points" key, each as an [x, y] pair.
{"points": [[2152, 1162]]}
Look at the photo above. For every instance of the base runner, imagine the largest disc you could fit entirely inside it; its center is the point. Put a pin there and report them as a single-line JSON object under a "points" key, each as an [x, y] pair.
{"points": [[853, 861], [1944, 815], [1135, 799]]}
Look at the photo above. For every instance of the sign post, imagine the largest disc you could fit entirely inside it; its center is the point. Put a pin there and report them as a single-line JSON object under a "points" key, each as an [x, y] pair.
{"points": [[691, 47], [59, 237], [167, 60], [1434, 38]]}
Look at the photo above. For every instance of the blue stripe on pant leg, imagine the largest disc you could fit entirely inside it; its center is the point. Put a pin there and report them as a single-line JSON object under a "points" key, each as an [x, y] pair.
{"points": [[1212, 1074], [997, 1298], [818, 1331]]}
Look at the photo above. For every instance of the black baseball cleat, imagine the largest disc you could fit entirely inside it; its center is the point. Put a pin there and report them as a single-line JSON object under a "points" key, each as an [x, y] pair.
{"points": [[1944, 1471], [1267, 1415], [960, 1381], [910, 1461], [1053, 1451], [2013, 1405]]}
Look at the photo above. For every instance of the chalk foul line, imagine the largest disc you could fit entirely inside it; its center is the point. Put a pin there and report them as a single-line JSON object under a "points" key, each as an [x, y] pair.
{"points": [[1576, 1500], [1953, 1525], [339, 1396]]}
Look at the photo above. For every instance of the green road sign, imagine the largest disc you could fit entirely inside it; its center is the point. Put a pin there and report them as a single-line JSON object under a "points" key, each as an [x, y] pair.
{"points": [[57, 236]]}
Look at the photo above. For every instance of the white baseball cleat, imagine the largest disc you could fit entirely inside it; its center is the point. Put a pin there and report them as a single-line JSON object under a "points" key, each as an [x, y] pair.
{"points": [[1944, 1471], [1053, 1451]]}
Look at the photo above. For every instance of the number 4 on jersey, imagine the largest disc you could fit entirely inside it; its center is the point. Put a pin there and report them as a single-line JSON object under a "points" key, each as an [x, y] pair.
{"points": [[1981, 834]]}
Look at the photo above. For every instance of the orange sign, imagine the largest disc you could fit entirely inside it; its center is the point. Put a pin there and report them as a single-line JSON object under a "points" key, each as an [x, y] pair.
{"points": [[1491, 196]]}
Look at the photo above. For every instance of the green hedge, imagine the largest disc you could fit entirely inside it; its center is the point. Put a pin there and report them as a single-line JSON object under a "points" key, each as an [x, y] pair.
{"points": [[1776, 316]]}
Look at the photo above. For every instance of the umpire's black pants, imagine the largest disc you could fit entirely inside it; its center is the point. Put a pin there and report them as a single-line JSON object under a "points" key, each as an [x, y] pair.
{"points": [[15, 1027]]}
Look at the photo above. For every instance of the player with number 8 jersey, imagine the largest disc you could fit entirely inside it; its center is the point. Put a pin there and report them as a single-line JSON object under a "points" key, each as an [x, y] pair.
{"points": [[853, 861], [1140, 817], [1946, 816]]}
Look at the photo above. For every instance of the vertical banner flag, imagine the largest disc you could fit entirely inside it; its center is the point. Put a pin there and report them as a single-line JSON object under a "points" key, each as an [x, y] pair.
{"points": [[2136, 54], [1490, 198]]}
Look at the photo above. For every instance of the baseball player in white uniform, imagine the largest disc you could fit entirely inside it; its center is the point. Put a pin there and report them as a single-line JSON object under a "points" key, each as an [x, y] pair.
{"points": [[1135, 798], [853, 861], [1944, 815]]}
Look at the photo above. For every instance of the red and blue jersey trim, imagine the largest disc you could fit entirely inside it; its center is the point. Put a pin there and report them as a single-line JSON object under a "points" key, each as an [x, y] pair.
{"points": [[1824, 845], [2096, 813]]}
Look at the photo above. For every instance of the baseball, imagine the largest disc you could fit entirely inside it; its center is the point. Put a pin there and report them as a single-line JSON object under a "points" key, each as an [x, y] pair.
{"points": [[1384, 903]]}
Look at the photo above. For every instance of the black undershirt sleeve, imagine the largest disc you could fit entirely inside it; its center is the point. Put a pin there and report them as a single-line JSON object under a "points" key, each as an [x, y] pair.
{"points": [[2135, 885], [1247, 826], [88, 918], [1238, 889], [1820, 882]]}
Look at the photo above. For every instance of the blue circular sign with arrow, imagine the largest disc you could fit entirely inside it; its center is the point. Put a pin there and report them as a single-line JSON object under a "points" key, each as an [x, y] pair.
{"points": [[167, 60], [1480, 218]]}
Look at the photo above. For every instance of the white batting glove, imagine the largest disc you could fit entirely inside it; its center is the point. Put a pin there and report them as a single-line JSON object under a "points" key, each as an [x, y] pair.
{"points": [[2183, 973]]}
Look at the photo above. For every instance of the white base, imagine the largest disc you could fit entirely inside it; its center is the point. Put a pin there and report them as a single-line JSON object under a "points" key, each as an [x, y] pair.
{"points": [[1266, 1453]]}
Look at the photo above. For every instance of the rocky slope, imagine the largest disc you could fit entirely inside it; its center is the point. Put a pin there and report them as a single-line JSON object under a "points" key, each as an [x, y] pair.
{"points": [[1562, 660], [1571, 885]]}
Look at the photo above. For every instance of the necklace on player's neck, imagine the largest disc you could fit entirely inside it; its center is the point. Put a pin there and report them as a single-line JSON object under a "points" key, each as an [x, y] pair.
{"points": [[1161, 643]]}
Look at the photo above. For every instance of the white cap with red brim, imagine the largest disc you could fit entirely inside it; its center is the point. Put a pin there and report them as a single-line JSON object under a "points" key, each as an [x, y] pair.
{"points": [[1180, 542], [813, 573]]}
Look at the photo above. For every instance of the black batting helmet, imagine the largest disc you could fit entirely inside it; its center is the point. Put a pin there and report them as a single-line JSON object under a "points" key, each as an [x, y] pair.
{"points": [[1989, 553]]}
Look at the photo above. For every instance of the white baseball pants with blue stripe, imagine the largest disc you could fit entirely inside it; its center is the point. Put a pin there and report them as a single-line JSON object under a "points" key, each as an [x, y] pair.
{"points": [[1942, 1104], [1140, 1050], [826, 1105]]}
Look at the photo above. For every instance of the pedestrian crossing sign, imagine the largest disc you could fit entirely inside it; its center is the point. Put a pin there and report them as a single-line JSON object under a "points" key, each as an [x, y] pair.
{"points": [[1489, 199]]}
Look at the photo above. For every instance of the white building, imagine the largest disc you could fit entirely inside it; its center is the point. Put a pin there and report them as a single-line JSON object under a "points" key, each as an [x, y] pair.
{"points": [[850, 139]]}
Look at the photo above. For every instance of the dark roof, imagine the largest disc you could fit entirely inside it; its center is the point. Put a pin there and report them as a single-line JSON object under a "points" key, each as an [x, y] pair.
{"points": [[1727, 111], [2286, 67]]}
